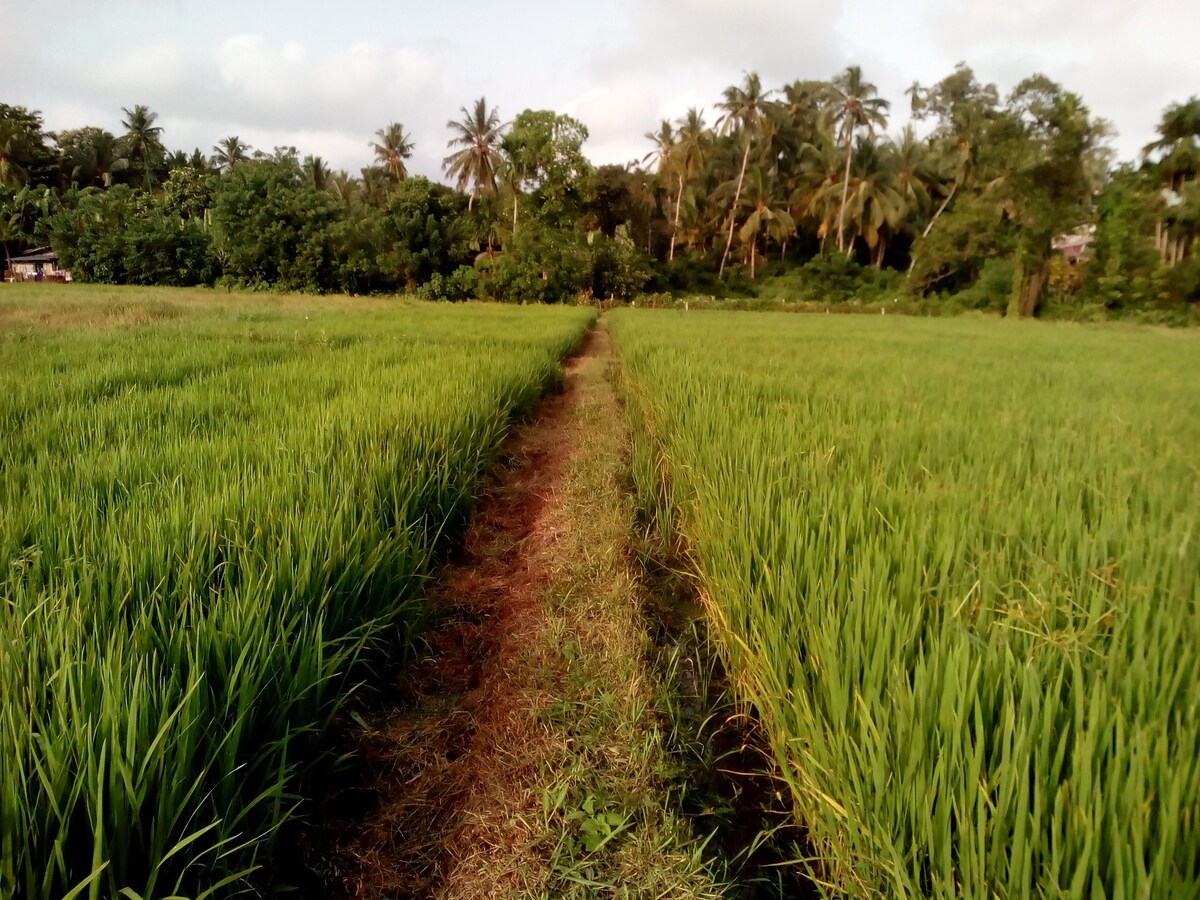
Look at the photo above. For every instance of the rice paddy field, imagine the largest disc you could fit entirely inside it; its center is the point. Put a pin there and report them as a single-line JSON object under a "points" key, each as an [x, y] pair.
{"points": [[955, 567], [211, 508]]}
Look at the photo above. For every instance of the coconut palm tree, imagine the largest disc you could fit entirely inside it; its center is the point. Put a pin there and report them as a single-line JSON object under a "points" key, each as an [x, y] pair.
{"points": [[1178, 143], [916, 95], [1178, 149], [744, 108], [12, 173], [688, 156], [91, 156], [316, 172], [229, 152], [953, 155], [510, 175], [804, 105], [818, 183], [181, 159], [767, 213], [199, 162], [22, 144], [915, 172], [662, 156], [344, 188], [876, 206], [857, 106], [664, 142], [143, 140], [392, 149], [477, 135], [376, 184]]}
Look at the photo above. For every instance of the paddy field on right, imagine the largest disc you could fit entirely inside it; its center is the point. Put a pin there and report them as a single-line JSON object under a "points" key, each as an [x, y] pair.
{"points": [[955, 568]]}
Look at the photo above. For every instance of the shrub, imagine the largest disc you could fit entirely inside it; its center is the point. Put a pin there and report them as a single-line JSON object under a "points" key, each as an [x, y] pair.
{"points": [[991, 290]]}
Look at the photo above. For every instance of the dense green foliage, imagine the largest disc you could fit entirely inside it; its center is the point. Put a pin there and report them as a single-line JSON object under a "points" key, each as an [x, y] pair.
{"points": [[269, 228], [207, 514], [123, 237], [954, 567], [801, 180]]}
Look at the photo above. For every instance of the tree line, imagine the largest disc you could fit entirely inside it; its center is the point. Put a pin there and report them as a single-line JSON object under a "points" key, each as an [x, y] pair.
{"points": [[968, 207]]}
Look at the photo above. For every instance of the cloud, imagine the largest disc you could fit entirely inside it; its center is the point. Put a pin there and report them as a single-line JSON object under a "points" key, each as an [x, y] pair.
{"points": [[1127, 60], [781, 39], [164, 67], [295, 75], [287, 85], [268, 91], [612, 114], [329, 102], [664, 56]]}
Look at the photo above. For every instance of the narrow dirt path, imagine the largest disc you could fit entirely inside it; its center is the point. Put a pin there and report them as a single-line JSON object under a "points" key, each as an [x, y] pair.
{"points": [[523, 756], [450, 764]]}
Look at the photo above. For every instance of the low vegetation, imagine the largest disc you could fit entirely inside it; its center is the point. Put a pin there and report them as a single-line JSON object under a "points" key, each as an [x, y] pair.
{"points": [[953, 566], [209, 516]]}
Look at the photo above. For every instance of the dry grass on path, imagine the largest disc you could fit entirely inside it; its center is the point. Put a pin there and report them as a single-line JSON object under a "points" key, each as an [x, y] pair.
{"points": [[523, 757]]}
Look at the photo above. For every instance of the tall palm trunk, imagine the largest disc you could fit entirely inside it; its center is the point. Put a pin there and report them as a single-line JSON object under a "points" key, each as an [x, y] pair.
{"points": [[737, 196], [675, 227], [941, 209], [912, 263], [845, 192]]}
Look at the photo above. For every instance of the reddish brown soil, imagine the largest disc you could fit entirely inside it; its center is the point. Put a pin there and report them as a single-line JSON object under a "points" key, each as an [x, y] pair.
{"points": [[449, 761]]}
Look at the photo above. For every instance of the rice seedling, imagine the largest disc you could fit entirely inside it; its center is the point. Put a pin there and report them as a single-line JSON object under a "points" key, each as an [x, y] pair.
{"points": [[206, 520], [955, 567]]}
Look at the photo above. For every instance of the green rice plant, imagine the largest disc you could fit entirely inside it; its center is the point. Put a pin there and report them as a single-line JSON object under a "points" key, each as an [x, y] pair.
{"points": [[206, 521], [955, 566]]}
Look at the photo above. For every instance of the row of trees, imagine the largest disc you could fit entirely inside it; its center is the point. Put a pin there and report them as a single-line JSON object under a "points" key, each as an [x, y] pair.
{"points": [[128, 211], [990, 184], [804, 176]]}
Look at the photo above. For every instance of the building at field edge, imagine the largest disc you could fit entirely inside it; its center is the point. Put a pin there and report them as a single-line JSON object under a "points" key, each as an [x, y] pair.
{"points": [[40, 264]]}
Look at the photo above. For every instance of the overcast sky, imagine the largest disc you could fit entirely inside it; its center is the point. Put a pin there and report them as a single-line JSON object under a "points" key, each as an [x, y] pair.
{"points": [[324, 76]]}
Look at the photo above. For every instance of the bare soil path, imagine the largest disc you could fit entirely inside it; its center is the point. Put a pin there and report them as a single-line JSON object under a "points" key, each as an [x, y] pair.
{"points": [[521, 756], [461, 739]]}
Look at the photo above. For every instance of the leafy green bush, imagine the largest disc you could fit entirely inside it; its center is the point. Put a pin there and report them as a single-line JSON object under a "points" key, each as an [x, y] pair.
{"points": [[833, 278], [619, 270], [991, 290], [464, 283], [542, 265], [550, 266], [269, 228], [121, 237], [425, 232]]}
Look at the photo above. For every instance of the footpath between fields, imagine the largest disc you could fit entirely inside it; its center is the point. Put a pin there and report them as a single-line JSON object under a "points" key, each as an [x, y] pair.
{"points": [[528, 752]]}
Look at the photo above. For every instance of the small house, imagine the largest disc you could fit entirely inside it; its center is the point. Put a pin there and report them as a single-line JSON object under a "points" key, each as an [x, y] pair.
{"points": [[36, 265], [1076, 246]]}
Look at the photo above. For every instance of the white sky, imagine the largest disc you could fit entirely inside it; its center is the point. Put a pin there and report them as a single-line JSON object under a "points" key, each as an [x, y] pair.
{"points": [[324, 76]]}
